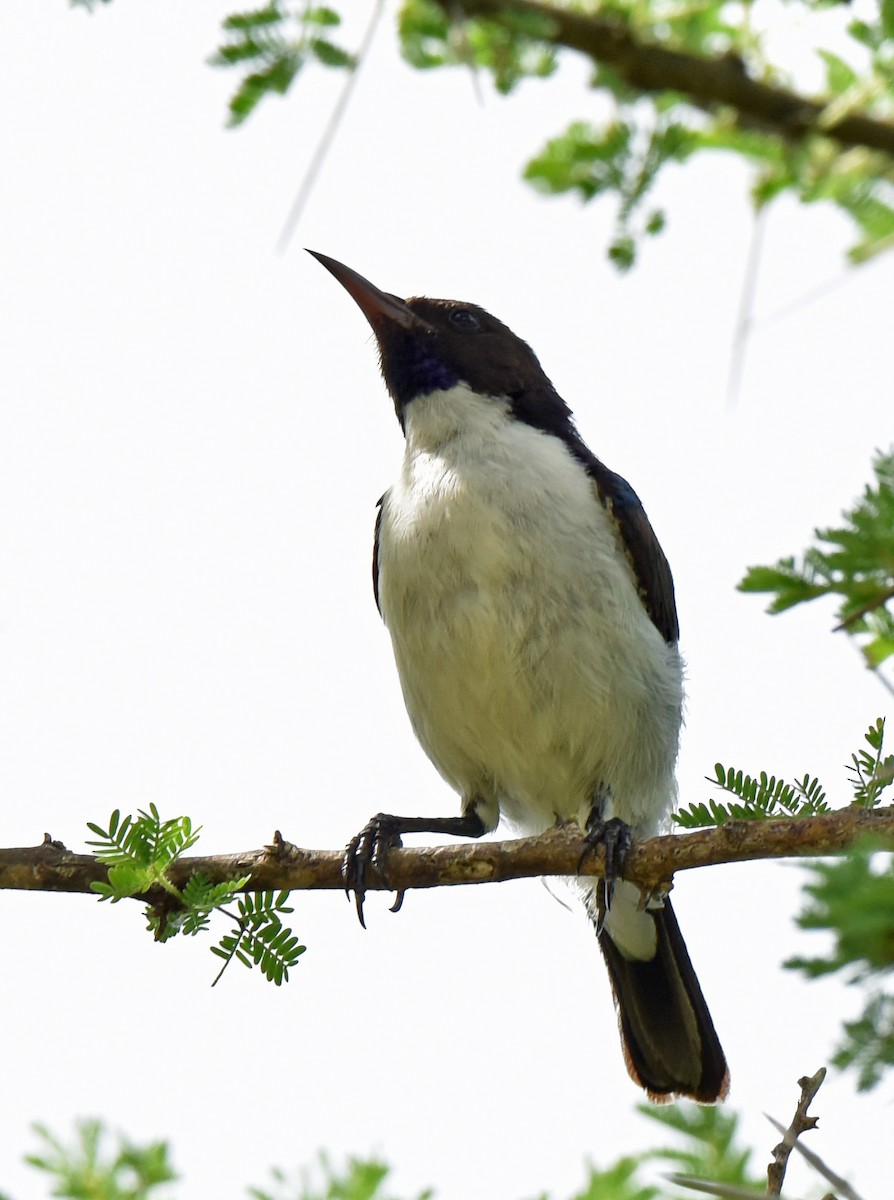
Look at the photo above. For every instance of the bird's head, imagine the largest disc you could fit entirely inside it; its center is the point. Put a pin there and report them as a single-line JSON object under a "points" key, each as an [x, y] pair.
{"points": [[428, 345]]}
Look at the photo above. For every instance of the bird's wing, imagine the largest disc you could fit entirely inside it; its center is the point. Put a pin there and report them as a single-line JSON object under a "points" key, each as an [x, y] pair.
{"points": [[653, 574], [376, 552]]}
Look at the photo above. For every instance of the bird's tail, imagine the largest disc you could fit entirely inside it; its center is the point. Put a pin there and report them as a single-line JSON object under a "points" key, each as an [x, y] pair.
{"points": [[670, 1046]]}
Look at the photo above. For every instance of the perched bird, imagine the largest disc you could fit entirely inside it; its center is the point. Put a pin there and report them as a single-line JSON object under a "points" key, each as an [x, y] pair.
{"points": [[532, 616]]}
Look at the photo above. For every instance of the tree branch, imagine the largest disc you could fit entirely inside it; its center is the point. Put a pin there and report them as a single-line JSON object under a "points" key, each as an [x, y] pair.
{"points": [[650, 67], [801, 1123], [50, 867]]}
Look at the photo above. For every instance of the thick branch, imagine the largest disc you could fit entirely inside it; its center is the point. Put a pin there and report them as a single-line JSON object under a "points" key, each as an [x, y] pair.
{"points": [[650, 67], [50, 867]]}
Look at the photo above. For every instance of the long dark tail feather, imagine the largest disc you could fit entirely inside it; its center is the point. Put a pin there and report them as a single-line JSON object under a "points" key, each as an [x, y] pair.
{"points": [[668, 1037]]}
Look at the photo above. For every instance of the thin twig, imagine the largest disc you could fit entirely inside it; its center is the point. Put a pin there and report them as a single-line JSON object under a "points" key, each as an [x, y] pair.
{"points": [[322, 149], [801, 1123], [727, 1191], [745, 320], [870, 606], [840, 1185]]}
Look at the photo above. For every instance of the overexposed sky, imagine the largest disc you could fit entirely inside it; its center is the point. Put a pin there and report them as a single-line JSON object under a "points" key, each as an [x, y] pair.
{"points": [[192, 440]]}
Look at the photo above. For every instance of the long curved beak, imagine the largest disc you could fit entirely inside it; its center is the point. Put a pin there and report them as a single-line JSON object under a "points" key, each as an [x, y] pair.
{"points": [[377, 306]]}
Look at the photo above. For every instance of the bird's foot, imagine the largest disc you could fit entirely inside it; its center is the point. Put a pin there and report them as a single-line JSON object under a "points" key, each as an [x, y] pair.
{"points": [[615, 837], [369, 848]]}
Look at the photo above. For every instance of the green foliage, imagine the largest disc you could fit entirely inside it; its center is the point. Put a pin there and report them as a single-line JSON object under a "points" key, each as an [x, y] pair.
{"points": [[710, 1149], [509, 48], [765, 796], [868, 1043], [260, 938], [852, 899], [872, 771], [360, 1179], [272, 44], [621, 1181], [854, 562], [649, 130], [616, 157], [89, 1171], [707, 1147], [140, 852]]}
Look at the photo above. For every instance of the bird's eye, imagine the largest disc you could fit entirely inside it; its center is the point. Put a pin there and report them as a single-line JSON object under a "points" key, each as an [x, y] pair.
{"points": [[463, 319]]}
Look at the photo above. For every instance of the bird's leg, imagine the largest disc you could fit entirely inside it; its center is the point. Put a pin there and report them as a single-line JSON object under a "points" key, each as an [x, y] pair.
{"points": [[613, 835], [382, 833]]}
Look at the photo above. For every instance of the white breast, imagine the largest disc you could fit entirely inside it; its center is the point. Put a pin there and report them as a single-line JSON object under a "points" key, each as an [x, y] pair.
{"points": [[531, 671]]}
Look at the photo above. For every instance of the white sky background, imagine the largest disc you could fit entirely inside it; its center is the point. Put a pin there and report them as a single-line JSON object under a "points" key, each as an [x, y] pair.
{"points": [[192, 439]]}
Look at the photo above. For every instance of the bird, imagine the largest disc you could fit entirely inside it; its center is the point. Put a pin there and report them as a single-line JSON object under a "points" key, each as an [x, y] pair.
{"points": [[534, 627]]}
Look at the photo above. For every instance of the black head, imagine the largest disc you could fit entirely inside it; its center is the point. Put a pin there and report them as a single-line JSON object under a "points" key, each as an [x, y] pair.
{"points": [[429, 345]]}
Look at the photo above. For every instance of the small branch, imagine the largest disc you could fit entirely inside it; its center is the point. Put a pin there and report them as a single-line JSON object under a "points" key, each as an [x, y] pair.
{"points": [[801, 1123], [50, 867], [726, 1191], [651, 67], [842, 1187], [323, 146], [864, 610]]}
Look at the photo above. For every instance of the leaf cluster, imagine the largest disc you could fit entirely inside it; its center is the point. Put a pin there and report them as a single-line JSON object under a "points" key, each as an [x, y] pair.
{"points": [[359, 1179], [852, 899], [260, 939], [762, 797], [854, 562], [707, 1146], [140, 852], [271, 45], [511, 49], [92, 1170], [708, 1149], [625, 154], [648, 129]]}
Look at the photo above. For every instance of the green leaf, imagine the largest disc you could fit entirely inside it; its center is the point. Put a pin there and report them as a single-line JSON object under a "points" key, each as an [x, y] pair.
{"points": [[329, 54], [887, 15], [839, 75], [322, 16], [258, 18], [238, 52], [868, 1043], [656, 222], [260, 939], [276, 79], [854, 561], [852, 898]]}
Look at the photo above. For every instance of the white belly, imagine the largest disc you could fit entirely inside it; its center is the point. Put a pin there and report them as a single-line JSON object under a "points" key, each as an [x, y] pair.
{"points": [[531, 672]]}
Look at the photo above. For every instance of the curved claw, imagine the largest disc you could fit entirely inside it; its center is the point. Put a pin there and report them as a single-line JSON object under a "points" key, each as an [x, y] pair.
{"points": [[615, 837], [369, 849]]}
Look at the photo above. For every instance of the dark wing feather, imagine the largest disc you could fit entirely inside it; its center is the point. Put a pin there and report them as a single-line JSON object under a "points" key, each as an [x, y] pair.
{"points": [[376, 553], [653, 574]]}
